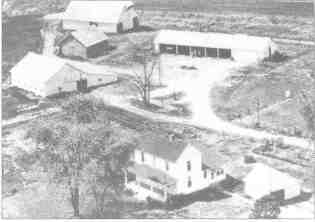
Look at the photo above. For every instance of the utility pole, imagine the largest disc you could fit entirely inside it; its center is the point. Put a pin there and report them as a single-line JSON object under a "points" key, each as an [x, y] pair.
{"points": [[258, 112]]}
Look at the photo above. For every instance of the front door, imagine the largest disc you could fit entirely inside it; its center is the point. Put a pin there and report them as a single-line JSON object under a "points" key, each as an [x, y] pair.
{"points": [[82, 85]]}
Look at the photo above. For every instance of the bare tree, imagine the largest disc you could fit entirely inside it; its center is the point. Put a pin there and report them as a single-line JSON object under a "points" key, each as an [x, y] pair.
{"points": [[144, 57]]}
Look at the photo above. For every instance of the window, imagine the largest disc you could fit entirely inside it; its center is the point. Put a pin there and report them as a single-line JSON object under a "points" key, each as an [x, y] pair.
{"points": [[188, 166], [167, 166], [211, 52], [142, 156], [189, 183], [212, 175], [158, 191], [100, 79], [59, 89], [93, 23], [225, 53], [204, 174], [183, 50]]}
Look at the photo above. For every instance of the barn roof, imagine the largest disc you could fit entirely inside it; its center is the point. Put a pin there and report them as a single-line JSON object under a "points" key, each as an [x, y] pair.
{"points": [[213, 40], [89, 38], [96, 11], [34, 70], [267, 176]]}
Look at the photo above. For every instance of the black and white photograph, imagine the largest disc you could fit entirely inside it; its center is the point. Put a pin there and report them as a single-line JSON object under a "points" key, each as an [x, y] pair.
{"points": [[158, 109]]}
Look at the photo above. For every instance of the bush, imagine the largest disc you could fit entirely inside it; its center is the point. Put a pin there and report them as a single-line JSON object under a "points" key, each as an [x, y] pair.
{"points": [[249, 159], [267, 207], [277, 57], [9, 107]]}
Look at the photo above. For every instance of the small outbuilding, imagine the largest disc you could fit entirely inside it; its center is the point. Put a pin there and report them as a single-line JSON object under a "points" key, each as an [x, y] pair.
{"points": [[84, 44], [46, 76], [263, 180], [214, 45], [106, 16]]}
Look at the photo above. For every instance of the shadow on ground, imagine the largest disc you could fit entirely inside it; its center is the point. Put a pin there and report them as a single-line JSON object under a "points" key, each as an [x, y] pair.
{"points": [[207, 195]]}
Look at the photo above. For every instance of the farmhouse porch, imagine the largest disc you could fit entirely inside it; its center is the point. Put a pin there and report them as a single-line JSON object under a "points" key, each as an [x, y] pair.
{"points": [[146, 181]]}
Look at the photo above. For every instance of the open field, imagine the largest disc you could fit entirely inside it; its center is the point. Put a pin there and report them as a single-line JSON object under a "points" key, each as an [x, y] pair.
{"points": [[287, 7]]}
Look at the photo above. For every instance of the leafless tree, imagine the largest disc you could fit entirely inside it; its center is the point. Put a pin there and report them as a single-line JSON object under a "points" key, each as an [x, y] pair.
{"points": [[144, 57]]}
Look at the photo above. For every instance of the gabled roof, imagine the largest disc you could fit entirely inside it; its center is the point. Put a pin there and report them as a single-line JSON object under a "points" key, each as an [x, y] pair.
{"points": [[162, 147], [211, 158], [34, 70], [89, 37], [213, 40], [96, 11], [270, 177]]}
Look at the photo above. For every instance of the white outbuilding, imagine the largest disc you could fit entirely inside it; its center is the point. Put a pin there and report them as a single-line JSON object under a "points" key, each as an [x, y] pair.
{"points": [[216, 45], [263, 180], [46, 76], [106, 16]]}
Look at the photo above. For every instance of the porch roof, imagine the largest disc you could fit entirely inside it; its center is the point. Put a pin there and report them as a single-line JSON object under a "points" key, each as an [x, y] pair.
{"points": [[155, 175]]}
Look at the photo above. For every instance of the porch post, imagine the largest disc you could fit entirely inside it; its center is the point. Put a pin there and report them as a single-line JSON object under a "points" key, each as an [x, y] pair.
{"points": [[125, 177]]}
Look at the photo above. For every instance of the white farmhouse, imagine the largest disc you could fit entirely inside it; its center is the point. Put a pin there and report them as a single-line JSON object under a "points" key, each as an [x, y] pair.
{"points": [[45, 76], [264, 180], [106, 16], [162, 168], [215, 45]]}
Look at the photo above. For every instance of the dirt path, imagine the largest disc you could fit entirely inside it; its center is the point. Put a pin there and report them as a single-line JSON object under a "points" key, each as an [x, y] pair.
{"points": [[197, 85]]}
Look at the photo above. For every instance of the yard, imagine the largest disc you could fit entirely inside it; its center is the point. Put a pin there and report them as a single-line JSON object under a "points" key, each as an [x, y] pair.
{"points": [[265, 87]]}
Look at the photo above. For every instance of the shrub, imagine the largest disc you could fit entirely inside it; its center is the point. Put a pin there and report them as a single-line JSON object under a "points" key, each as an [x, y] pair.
{"points": [[9, 107], [267, 207], [249, 159]]}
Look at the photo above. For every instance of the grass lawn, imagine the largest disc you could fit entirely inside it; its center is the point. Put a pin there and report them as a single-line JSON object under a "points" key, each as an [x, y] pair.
{"points": [[268, 83]]}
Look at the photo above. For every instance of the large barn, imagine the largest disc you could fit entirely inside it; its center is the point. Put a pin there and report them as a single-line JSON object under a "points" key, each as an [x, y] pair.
{"points": [[46, 76], [84, 44], [215, 45], [107, 16]]}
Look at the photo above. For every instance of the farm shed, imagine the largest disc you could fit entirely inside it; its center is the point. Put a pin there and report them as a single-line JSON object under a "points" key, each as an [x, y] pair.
{"points": [[264, 180], [84, 44], [45, 76], [215, 45], [106, 16]]}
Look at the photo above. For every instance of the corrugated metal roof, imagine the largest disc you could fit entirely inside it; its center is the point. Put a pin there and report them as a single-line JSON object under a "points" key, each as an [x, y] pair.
{"points": [[96, 11], [213, 40], [89, 37]]}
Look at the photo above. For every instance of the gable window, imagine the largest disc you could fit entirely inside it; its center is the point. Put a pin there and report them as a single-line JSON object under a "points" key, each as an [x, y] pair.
{"points": [[142, 156], [93, 23], [167, 167], [189, 183], [188, 166], [204, 174]]}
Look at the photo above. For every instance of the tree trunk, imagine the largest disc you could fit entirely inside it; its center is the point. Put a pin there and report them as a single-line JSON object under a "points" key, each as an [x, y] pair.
{"points": [[75, 201]]}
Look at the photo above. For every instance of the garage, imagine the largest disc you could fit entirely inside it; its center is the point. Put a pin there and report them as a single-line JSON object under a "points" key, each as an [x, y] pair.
{"points": [[264, 180], [214, 45]]}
